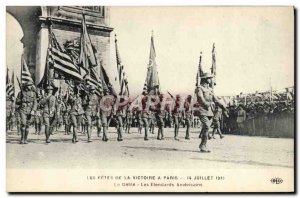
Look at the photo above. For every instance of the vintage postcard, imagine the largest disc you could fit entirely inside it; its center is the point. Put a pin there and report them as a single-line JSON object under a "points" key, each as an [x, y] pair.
{"points": [[150, 99]]}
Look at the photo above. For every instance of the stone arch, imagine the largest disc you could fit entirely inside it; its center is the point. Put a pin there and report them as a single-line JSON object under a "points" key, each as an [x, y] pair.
{"points": [[66, 21]]}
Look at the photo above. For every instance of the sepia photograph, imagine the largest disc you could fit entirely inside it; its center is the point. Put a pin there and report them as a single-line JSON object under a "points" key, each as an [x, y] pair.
{"points": [[148, 99]]}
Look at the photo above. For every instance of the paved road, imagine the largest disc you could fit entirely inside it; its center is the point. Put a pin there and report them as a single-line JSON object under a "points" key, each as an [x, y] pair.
{"points": [[230, 152]]}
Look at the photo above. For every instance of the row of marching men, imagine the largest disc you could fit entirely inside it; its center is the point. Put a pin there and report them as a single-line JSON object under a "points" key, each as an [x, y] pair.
{"points": [[48, 109]]}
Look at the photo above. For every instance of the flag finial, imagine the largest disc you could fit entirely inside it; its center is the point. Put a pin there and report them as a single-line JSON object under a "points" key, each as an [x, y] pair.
{"points": [[116, 38], [152, 33]]}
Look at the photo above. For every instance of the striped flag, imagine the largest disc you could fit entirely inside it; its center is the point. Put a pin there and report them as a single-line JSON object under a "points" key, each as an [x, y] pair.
{"points": [[26, 78], [124, 90], [213, 66], [10, 88], [87, 58], [94, 80], [152, 82], [107, 86], [61, 61], [199, 72]]}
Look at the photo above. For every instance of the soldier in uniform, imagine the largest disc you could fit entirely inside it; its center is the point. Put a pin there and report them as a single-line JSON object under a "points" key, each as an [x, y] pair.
{"points": [[177, 116], [129, 116], [92, 109], [49, 108], [160, 115], [151, 122], [188, 116], [10, 108], [216, 123], [18, 118], [66, 115], [76, 112], [27, 101], [206, 99], [38, 116], [120, 112], [105, 114], [145, 117]]}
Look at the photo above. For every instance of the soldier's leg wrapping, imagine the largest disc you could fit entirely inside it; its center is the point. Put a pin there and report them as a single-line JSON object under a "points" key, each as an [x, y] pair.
{"points": [[89, 127], [120, 128], [47, 127], [23, 118], [53, 123], [176, 127], [205, 127], [145, 122], [98, 126], [104, 125], [74, 123], [28, 118], [188, 125]]}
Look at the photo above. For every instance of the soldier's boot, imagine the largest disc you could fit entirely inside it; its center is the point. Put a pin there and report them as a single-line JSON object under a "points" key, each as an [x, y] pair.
{"points": [[203, 142], [22, 135], [47, 133], [176, 133], [187, 134], [18, 129], [74, 140], [89, 133], [146, 134], [99, 131], [128, 129], [162, 133], [158, 134], [104, 138], [220, 133], [120, 131], [26, 135]]}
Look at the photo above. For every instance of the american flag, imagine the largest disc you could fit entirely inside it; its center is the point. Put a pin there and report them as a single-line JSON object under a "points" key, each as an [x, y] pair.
{"points": [[94, 80], [124, 90], [26, 78], [61, 61], [10, 88]]}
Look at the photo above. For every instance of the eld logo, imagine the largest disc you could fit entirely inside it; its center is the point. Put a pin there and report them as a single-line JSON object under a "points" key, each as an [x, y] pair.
{"points": [[276, 180]]}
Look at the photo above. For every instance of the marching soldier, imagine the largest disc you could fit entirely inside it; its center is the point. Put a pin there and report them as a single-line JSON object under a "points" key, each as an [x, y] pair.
{"points": [[27, 101], [38, 116], [206, 98], [177, 116], [49, 108], [76, 112], [92, 111], [129, 116], [119, 120], [151, 122], [188, 116], [161, 114], [10, 108], [105, 114], [216, 123], [66, 116]]}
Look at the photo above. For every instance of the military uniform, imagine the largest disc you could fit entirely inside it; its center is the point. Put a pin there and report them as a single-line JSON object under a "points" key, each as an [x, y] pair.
{"points": [[38, 121], [205, 99], [27, 101], [10, 108], [216, 123], [76, 113], [48, 112], [151, 122], [119, 120], [160, 117], [129, 117], [105, 114], [92, 112], [189, 123], [177, 117]]}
